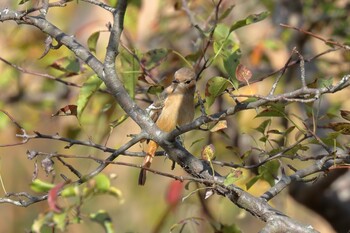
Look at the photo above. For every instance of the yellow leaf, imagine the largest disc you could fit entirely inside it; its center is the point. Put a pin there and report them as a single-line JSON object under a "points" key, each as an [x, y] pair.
{"points": [[219, 126]]}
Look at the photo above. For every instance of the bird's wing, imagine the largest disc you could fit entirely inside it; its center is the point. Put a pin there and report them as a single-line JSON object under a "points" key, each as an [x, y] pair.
{"points": [[155, 109]]}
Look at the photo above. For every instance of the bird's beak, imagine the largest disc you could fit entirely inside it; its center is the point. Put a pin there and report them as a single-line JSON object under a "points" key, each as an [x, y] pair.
{"points": [[175, 84]]}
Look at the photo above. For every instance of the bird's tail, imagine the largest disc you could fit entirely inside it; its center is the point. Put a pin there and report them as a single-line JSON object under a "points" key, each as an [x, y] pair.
{"points": [[152, 148]]}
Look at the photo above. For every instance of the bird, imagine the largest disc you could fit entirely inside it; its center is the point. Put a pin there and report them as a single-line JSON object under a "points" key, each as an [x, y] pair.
{"points": [[174, 107]]}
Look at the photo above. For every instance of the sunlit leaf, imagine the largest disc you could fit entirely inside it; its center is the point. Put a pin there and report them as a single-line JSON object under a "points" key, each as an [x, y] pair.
{"points": [[86, 92], [215, 87], [113, 3], [39, 222], [115, 192], [208, 152], [41, 186], [70, 191], [92, 41], [221, 31], [60, 220], [219, 126], [102, 182]]}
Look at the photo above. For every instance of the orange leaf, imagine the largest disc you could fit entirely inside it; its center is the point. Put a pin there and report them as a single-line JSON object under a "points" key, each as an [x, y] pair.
{"points": [[257, 53]]}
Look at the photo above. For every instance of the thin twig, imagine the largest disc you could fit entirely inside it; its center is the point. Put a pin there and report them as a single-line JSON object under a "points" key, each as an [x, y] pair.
{"points": [[331, 42]]}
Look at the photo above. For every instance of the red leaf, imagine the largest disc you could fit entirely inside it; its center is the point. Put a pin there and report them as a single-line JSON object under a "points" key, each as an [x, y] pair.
{"points": [[174, 193], [68, 110], [243, 74], [52, 197]]}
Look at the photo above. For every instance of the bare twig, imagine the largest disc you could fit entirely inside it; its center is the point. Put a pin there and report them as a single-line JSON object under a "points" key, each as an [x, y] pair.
{"points": [[330, 42], [283, 70]]}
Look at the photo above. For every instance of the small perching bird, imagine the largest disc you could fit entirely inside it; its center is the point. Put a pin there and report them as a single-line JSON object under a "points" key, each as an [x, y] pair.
{"points": [[175, 107]]}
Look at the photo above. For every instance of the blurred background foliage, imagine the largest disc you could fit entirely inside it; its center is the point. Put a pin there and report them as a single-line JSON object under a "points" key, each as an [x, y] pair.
{"points": [[263, 47]]}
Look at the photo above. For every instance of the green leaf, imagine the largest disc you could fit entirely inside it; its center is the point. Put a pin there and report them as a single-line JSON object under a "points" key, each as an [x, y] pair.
{"points": [[92, 41], [196, 141], [41, 186], [226, 13], [153, 58], [115, 192], [221, 32], [113, 3], [330, 140], [130, 68], [103, 218], [276, 110], [295, 149], [232, 177], [254, 18], [60, 220], [215, 87], [70, 191], [194, 56], [70, 66], [102, 182], [23, 1], [119, 121], [324, 82], [229, 229], [156, 89], [269, 171], [250, 100], [262, 127], [39, 222], [230, 64], [251, 182], [86, 92]]}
